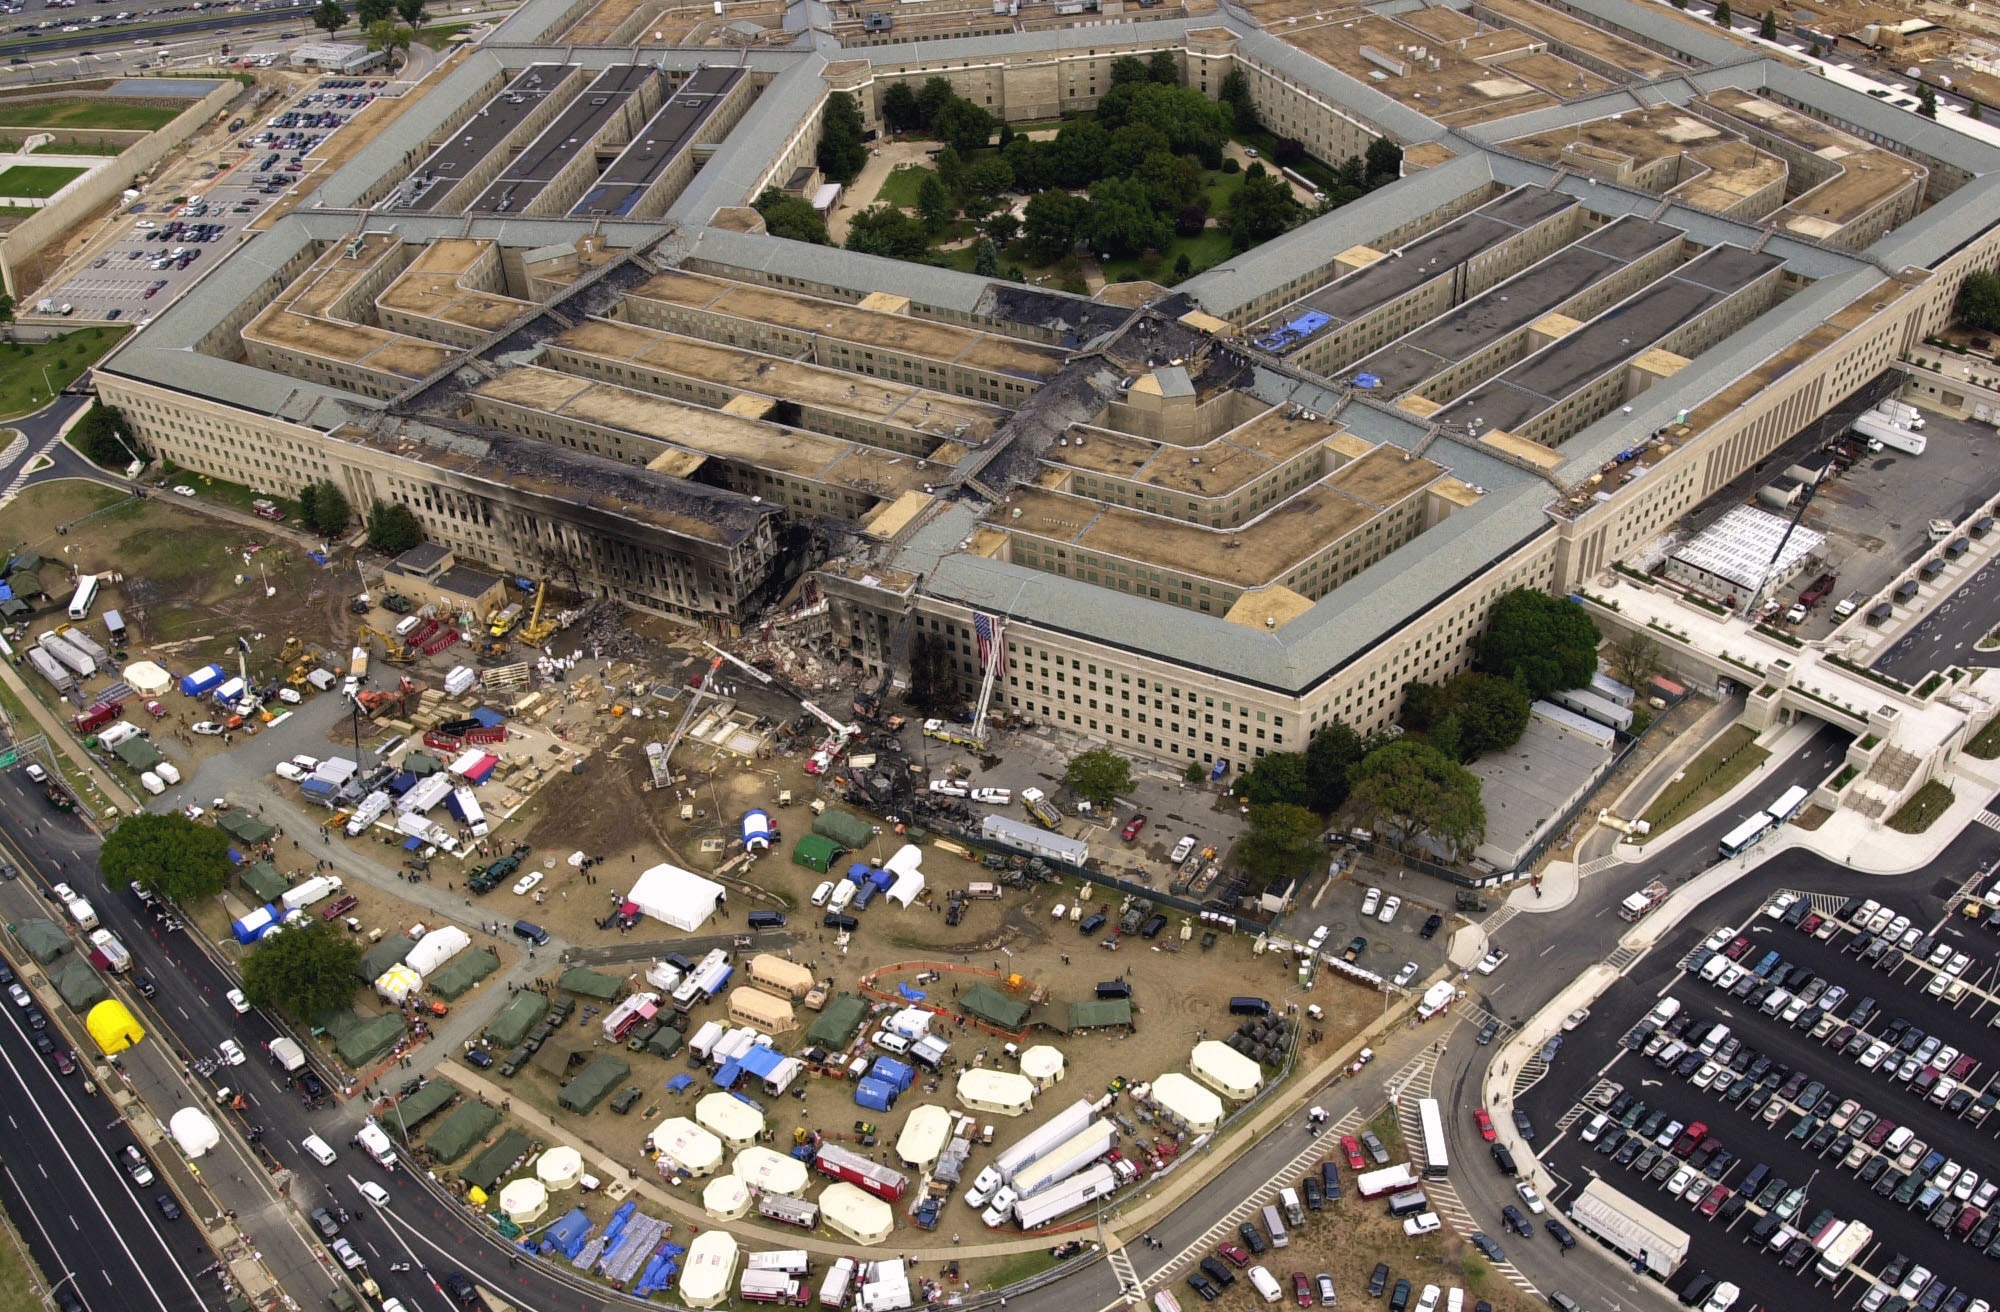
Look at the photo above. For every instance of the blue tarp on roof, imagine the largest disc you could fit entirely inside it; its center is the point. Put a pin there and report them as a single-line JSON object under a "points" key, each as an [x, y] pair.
{"points": [[566, 1236], [680, 1084], [731, 1072], [760, 1061]]}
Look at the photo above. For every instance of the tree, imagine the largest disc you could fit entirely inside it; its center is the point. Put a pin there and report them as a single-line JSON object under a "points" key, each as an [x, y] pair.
{"points": [[1768, 28], [1927, 102], [887, 231], [934, 207], [1003, 227], [1384, 161], [388, 34], [1468, 714], [1190, 221], [986, 259], [180, 860], [1634, 658], [1411, 791], [899, 108], [934, 684], [1262, 208], [1164, 69], [413, 12], [1722, 15], [1129, 70], [393, 527], [329, 17], [1331, 755], [988, 179], [1052, 221], [367, 13], [100, 436], [306, 971], [1278, 777], [1979, 300], [1235, 93], [1101, 775], [7, 302], [1975, 113], [791, 216], [324, 508], [1547, 643], [1031, 163], [1183, 267], [1283, 838], [963, 126], [932, 98], [842, 151], [1121, 219]]}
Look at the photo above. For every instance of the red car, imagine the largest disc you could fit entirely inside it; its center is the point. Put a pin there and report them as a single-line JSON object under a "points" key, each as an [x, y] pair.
{"points": [[155, 710], [1737, 947], [1302, 1289], [1236, 1255], [62, 1062], [1481, 1119], [1134, 827], [1716, 1198], [1352, 1147], [1811, 924]]}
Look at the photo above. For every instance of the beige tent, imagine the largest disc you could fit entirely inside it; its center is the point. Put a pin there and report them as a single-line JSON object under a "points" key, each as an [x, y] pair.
{"points": [[687, 1145], [1187, 1102], [1043, 1065], [147, 679], [771, 1173], [524, 1200], [559, 1167], [1002, 1093], [924, 1136], [777, 975], [709, 1269], [860, 1216], [736, 1122], [725, 1198], [760, 1010], [1226, 1070]]}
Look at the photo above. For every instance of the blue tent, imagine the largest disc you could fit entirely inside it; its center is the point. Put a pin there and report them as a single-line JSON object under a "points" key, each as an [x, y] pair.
{"points": [[760, 1061], [731, 1072], [566, 1236], [680, 1084], [858, 872], [202, 680], [891, 1071], [882, 879], [875, 1095]]}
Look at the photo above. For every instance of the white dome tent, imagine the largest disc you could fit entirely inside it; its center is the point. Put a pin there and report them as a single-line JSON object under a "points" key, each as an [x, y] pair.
{"points": [[560, 1167], [725, 1198], [193, 1131], [694, 1150], [735, 1121], [860, 1216], [1187, 1102], [924, 1136], [1003, 1093], [709, 1268], [1043, 1064], [771, 1172], [1226, 1070], [524, 1200]]}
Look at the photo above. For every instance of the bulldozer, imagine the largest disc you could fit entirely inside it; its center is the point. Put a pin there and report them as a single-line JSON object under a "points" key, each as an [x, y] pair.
{"points": [[297, 678], [290, 651]]}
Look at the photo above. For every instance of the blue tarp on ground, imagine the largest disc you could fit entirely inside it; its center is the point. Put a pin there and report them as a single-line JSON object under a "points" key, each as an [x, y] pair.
{"points": [[910, 994], [680, 1084], [489, 717], [566, 1236], [661, 1272]]}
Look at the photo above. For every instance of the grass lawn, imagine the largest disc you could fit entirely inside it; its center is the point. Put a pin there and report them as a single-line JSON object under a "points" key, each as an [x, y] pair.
{"points": [[22, 388], [88, 114], [37, 181], [1013, 1270], [1389, 1131], [1724, 764], [1205, 251], [437, 38], [80, 148], [1986, 744], [238, 495], [1931, 801], [900, 187]]}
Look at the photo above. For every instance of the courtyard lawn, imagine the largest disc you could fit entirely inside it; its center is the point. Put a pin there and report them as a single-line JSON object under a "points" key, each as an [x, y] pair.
{"points": [[23, 388], [1203, 252], [87, 114], [37, 181], [900, 187]]}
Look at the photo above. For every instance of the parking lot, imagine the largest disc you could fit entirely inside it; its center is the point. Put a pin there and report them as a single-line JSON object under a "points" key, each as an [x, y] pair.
{"points": [[1408, 943], [1820, 1102], [160, 248]]}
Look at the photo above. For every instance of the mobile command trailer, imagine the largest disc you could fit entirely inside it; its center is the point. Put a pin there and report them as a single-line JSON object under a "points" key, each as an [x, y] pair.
{"points": [[1877, 426], [1838, 1250], [1066, 1159], [788, 1211], [464, 807], [51, 669], [853, 1168], [1013, 833], [316, 889], [84, 643], [1638, 1234], [1099, 1181], [839, 1280], [1388, 1180], [771, 1287], [63, 650]]}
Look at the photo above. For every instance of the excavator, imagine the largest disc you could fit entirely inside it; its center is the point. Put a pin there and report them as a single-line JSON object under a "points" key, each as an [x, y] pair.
{"points": [[393, 649]]}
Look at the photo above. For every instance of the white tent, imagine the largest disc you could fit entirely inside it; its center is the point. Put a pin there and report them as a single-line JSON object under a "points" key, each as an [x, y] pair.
{"points": [[905, 860], [679, 897], [1225, 1070], [523, 1200], [907, 888], [736, 1121], [1042, 1064], [709, 1269], [884, 1286], [436, 948], [725, 1198], [559, 1167], [860, 1216], [771, 1173], [193, 1131], [147, 679], [924, 1136], [688, 1146], [1002, 1093], [397, 983], [1187, 1102]]}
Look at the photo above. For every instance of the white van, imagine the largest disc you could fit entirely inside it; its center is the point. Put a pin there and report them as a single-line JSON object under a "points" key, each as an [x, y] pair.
{"points": [[1266, 1284], [318, 1149], [843, 893], [1897, 1141], [1275, 1223], [1664, 1010], [1713, 1040], [1716, 965], [1776, 1002]]}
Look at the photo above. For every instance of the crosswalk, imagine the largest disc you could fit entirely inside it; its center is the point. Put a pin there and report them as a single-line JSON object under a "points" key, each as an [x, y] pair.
{"points": [[1599, 866], [1529, 1075], [27, 470], [1493, 924], [1128, 1275], [1988, 818], [1477, 1016], [1444, 1199], [1621, 957]]}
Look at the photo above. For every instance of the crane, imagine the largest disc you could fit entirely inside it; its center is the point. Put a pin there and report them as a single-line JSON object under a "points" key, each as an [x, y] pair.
{"points": [[697, 694], [537, 629], [839, 735]]}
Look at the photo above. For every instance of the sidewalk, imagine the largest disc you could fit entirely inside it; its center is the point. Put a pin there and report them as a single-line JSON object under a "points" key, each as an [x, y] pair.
{"points": [[113, 798]]}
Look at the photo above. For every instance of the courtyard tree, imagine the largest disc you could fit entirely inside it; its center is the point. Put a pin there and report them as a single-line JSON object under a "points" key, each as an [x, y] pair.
{"points": [[899, 108], [304, 972], [1546, 642], [1410, 791], [791, 216], [1129, 70], [1051, 228], [1634, 658], [1003, 227], [180, 860], [393, 527], [1164, 69], [963, 126], [1100, 774], [1122, 220], [325, 508], [329, 17], [842, 150], [934, 207], [1384, 161], [886, 230], [1979, 300], [986, 259], [935, 94], [1235, 93], [1768, 28], [1261, 209]]}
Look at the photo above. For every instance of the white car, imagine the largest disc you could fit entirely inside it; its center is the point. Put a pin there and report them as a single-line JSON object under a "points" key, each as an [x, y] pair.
{"points": [[207, 728], [1530, 1197], [1491, 962], [63, 893], [349, 1259], [230, 1052], [237, 1001], [306, 763], [1371, 901], [527, 882], [1576, 1018], [1406, 974], [183, 490], [289, 696], [1390, 906], [822, 893], [1318, 938], [375, 1193], [1723, 1298], [1779, 903], [286, 770], [1423, 1223]]}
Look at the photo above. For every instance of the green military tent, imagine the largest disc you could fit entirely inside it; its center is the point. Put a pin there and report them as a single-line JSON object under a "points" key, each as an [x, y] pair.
{"points": [[456, 1133], [138, 753], [491, 1166], [1100, 1014], [80, 985], [989, 1004], [590, 983], [264, 881], [419, 1107], [516, 1019], [815, 852], [44, 939], [840, 1022], [593, 1082], [242, 825], [366, 1040], [462, 972], [844, 827], [389, 952], [666, 1043], [422, 764], [25, 560]]}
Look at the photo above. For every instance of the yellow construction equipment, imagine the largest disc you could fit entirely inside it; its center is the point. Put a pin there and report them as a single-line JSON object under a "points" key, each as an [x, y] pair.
{"points": [[297, 678], [537, 629], [393, 649], [293, 646], [507, 617]]}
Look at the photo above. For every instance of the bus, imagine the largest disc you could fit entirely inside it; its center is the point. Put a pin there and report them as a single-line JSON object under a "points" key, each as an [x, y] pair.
{"points": [[1746, 835], [1436, 1164], [86, 594], [1788, 804]]}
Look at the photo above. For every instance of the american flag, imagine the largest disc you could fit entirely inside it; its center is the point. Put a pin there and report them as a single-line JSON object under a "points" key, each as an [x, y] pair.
{"points": [[988, 629]]}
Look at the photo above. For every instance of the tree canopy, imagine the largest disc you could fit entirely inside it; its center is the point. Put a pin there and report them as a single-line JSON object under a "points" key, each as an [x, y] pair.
{"points": [[842, 148], [1100, 774], [1316, 779], [1282, 837], [1546, 643], [329, 17], [100, 436], [324, 507], [393, 527], [304, 971], [180, 860], [886, 230], [791, 216], [1468, 714], [1411, 791], [1262, 208], [1979, 300]]}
